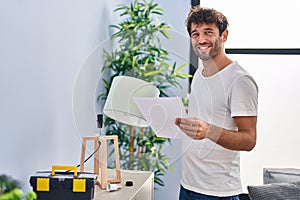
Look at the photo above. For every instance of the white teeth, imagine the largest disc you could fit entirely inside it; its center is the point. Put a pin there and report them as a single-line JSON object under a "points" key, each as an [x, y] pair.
{"points": [[202, 48]]}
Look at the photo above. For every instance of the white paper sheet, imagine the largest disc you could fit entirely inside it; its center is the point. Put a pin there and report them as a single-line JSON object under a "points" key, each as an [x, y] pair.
{"points": [[161, 114]]}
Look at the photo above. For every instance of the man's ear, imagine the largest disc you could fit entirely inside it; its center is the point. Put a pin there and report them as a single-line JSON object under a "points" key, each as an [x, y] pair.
{"points": [[224, 35]]}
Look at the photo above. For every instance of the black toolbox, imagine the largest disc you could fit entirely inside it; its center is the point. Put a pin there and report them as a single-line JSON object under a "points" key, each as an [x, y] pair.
{"points": [[63, 185]]}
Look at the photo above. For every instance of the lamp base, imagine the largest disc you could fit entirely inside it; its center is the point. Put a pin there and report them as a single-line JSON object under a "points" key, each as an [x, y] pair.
{"points": [[102, 178]]}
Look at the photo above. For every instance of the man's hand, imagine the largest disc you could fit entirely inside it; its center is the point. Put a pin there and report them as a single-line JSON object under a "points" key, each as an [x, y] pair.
{"points": [[242, 140], [193, 127]]}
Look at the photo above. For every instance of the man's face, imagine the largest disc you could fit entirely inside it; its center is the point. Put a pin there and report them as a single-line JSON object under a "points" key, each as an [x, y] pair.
{"points": [[206, 40]]}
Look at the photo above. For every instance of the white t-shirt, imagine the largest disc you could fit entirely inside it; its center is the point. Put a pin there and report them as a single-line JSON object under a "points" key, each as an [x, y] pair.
{"points": [[207, 167]]}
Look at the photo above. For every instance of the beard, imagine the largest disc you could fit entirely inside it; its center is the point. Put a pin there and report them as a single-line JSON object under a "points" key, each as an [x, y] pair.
{"points": [[205, 55]]}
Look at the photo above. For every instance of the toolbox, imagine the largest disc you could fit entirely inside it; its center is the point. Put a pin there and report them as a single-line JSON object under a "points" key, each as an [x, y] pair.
{"points": [[63, 185]]}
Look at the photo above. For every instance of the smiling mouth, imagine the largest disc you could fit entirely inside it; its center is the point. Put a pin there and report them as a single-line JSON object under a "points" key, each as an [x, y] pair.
{"points": [[203, 47]]}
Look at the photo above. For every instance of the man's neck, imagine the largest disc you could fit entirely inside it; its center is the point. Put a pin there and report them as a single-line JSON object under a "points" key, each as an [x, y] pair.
{"points": [[214, 65]]}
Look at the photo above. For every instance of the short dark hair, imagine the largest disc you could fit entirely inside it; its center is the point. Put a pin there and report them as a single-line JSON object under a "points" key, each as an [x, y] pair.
{"points": [[199, 15]]}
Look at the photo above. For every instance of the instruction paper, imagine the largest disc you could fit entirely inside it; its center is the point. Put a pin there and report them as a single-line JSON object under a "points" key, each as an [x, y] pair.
{"points": [[161, 113]]}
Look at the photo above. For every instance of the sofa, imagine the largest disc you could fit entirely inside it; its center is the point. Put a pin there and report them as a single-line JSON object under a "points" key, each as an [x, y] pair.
{"points": [[278, 184]]}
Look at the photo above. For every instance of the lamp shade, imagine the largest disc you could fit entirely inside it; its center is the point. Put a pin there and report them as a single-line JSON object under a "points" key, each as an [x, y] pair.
{"points": [[120, 104]]}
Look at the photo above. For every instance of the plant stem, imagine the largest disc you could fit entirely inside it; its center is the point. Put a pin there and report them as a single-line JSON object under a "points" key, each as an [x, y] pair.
{"points": [[131, 147]]}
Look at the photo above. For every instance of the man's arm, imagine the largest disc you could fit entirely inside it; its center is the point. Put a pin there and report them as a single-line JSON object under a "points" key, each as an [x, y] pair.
{"points": [[242, 140]]}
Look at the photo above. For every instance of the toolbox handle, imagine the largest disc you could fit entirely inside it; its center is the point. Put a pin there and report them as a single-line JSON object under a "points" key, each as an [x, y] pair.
{"points": [[63, 167]]}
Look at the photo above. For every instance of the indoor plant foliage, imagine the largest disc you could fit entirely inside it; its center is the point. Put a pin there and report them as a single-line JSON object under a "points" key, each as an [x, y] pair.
{"points": [[10, 189], [140, 54]]}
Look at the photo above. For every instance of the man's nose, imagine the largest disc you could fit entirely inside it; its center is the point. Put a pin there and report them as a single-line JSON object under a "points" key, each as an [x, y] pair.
{"points": [[201, 39]]}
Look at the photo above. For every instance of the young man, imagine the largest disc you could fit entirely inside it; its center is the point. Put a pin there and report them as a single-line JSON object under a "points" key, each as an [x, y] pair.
{"points": [[222, 113]]}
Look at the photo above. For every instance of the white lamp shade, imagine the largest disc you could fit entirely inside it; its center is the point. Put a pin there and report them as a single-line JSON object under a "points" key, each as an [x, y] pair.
{"points": [[120, 104]]}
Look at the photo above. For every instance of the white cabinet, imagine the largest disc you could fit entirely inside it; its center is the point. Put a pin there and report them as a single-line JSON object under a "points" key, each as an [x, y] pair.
{"points": [[142, 189]]}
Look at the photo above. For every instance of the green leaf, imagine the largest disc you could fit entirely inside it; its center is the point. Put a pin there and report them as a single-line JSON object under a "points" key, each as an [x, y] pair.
{"points": [[166, 34]]}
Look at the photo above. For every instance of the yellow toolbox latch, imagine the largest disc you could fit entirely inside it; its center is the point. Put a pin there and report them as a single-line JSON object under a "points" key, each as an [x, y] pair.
{"points": [[79, 185], [43, 184]]}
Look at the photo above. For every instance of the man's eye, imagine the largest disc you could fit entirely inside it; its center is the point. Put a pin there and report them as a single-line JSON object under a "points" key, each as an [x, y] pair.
{"points": [[209, 32], [194, 35]]}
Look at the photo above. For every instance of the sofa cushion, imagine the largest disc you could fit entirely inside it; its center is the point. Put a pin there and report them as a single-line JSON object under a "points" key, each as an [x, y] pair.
{"points": [[280, 175], [278, 191]]}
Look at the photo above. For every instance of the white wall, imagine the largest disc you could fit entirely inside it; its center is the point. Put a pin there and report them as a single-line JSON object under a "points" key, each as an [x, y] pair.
{"points": [[43, 44], [44, 50], [277, 131]]}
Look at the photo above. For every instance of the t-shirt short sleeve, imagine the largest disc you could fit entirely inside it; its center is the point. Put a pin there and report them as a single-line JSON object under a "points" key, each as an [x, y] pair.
{"points": [[244, 97]]}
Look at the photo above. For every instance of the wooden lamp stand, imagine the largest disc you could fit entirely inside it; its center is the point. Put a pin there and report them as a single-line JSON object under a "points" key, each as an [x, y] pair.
{"points": [[102, 178]]}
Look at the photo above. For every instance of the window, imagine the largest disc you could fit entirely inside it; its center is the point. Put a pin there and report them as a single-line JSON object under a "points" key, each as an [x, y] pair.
{"points": [[260, 24], [259, 33]]}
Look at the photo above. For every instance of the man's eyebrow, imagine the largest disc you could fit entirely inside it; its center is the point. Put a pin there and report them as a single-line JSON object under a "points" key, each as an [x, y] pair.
{"points": [[209, 29], [205, 29], [194, 30]]}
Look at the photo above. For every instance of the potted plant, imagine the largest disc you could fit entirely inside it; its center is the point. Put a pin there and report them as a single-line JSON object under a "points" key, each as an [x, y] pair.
{"points": [[140, 54]]}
